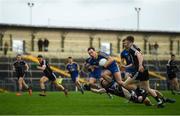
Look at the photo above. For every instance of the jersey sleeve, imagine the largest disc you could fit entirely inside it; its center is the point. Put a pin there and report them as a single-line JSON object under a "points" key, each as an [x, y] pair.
{"points": [[122, 55], [103, 55], [134, 50]]}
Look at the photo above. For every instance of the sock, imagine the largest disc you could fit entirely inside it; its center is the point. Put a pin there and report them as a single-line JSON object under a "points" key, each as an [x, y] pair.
{"points": [[157, 99]]}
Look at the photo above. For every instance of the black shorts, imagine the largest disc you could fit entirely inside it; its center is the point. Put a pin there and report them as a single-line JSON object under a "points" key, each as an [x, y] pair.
{"points": [[141, 76], [171, 76], [50, 76], [20, 74]]}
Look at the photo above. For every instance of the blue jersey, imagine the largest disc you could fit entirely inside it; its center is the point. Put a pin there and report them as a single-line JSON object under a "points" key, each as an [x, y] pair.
{"points": [[73, 70], [113, 67], [96, 73], [125, 55]]}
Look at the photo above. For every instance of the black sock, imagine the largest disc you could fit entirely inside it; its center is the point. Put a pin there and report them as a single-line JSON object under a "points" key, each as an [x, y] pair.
{"points": [[157, 99]]}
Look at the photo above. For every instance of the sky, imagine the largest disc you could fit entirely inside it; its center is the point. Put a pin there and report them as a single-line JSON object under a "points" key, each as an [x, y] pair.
{"points": [[161, 15]]}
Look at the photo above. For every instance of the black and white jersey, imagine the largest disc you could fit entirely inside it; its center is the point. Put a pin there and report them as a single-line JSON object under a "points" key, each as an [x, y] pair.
{"points": [[133, 50], [20, 66], [172, 67], [47, 69]]}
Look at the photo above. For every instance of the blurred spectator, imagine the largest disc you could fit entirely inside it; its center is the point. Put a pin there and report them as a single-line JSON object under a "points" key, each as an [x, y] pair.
{"points": [[156, 46], [6, 47], [40, 45], [46, 44]]}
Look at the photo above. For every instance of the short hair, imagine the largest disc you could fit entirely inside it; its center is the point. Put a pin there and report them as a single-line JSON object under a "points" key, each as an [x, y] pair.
{"points": [[91, 48], [130, 38], [69, 57], [18, 55], [40, 56]]}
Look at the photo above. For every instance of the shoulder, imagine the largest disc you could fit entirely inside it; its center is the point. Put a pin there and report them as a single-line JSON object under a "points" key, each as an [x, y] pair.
{"points": [[103, 54], [75, 63], [15, 62]]}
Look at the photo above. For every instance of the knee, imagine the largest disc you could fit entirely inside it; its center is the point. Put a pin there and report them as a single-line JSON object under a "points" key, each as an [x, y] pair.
{"points": [[41, 80]]}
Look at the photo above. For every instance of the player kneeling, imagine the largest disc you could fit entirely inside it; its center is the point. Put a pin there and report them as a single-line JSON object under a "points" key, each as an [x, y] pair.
{"points": [[48, 74]]}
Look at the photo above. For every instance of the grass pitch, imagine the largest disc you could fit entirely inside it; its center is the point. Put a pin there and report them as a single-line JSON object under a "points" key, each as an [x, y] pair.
{"points": [[77, 104]]}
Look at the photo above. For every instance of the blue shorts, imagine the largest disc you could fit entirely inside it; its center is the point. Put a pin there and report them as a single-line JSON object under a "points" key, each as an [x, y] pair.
{"points": [[113, 68], [74, 76], [95, 74]]}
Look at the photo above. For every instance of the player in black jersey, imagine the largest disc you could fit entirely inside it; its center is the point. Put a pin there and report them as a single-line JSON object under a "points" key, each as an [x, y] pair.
{"points": [[21, 67], [48, 75], [141, 74], [172, 69], [110, 86]]}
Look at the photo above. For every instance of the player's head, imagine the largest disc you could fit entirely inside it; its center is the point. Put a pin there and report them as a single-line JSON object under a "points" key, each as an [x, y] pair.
{"points": [[18, 57], [40, 58], [70, 59], [172, 57], [128, 41], [92, 52], [124, 43]]}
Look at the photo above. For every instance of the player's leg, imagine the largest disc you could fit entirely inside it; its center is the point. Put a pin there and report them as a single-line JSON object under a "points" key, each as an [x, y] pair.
{"points": [[79, 85], [60, 87], [145, 86], [165, 99], [129, 83], [176, 83], [107, 75], [24, 84], [42, 85], [172, 88], [92, 83], [27, 87], [117, 75], [20, 85]]}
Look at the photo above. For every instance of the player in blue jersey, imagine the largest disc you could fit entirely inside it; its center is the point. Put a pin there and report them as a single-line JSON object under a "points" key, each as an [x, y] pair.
{"points": [[94, 72], [141, 74], [111, 68], [127, 65], [73, 69]]}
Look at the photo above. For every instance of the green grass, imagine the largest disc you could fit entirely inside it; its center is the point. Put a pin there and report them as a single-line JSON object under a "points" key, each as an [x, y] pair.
{"points": [[76, 103]]}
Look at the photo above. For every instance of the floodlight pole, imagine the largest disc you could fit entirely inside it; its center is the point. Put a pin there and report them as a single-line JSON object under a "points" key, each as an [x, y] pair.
{"points": [[30, 4], [137, 9]]}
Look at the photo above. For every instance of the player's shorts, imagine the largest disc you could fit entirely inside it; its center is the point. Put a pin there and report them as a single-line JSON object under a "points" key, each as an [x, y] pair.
{"points": [[20, 74], [51, 76], [113, 68], [141, 76], [171, 76], [74, 76], [95, 74], [130, 70]]}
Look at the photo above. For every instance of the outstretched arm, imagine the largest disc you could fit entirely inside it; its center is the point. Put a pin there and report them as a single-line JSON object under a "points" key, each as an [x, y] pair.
{"points": [[100, 91]]}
